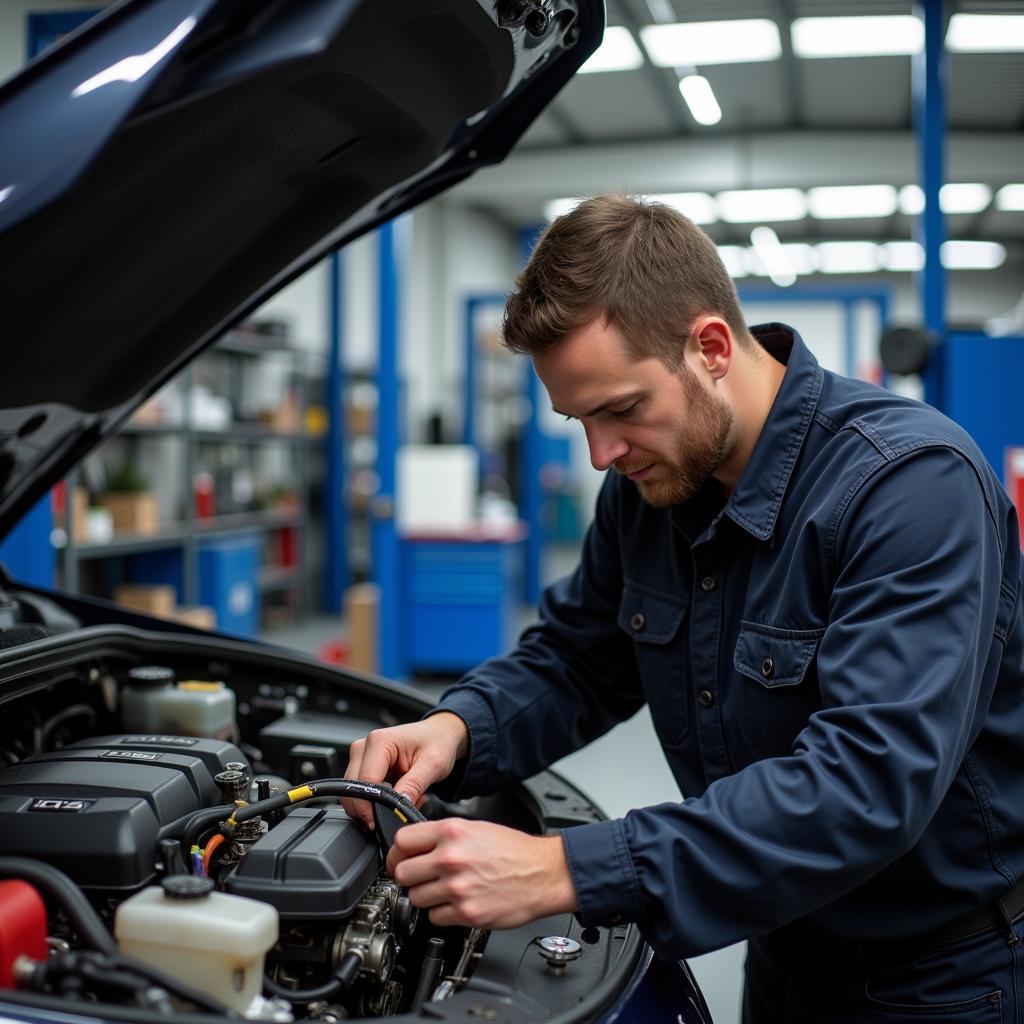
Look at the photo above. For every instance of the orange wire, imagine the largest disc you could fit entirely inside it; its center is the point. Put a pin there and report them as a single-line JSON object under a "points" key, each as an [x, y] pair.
{"points": [[211, 846]]}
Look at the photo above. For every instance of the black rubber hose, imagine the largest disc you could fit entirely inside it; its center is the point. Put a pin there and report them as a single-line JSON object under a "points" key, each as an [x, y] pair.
{"points": [[84, 919], [430, 973], [196, 823], [340, 980], [355, 788], [119, 971]]}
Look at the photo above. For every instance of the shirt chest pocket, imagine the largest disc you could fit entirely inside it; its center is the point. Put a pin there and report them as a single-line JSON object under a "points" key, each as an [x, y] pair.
{"points": [[779, 685], [655, 623]]}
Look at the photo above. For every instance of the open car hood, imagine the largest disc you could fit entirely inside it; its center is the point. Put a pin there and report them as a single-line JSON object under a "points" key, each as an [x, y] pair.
{"points": [[172, 164]]}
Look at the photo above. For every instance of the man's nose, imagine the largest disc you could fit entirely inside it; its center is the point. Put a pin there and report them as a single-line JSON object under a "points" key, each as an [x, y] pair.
{"points": [[605, 448]]}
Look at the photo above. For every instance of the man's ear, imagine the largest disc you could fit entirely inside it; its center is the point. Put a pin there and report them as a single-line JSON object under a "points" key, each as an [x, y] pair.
{"points": [[714, 345]]}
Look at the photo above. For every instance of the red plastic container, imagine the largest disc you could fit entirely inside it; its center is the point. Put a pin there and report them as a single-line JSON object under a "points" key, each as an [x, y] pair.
{"points": [[22, 927]]}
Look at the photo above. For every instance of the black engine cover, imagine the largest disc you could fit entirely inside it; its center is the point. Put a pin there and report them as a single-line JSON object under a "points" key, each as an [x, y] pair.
{"points": [[316, 865], [97, 808]]}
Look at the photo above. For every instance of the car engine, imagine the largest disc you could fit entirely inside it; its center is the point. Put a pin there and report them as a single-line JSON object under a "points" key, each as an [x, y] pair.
{"points": [[120, 813], [173, 849]]}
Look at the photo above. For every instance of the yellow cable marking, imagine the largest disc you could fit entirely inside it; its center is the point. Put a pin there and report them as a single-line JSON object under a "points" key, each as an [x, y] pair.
{"points": [[300, 793], [231, 823], [401, 817]]}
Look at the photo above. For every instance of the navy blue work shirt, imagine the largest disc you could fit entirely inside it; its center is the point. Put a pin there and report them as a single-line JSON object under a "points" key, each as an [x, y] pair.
{"points": [[834, 662]]}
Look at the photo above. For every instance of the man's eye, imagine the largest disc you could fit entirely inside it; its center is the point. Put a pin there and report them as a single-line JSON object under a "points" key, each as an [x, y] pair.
{"points": [[628, 411]]}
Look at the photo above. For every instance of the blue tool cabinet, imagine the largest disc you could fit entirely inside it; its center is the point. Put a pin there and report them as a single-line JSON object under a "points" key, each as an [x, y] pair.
{"points": [[462, 596], [228, 578]]}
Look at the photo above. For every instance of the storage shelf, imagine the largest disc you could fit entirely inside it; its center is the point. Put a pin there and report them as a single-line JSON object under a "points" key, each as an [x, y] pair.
{"points": [[237, 433], [190, 542], [130, 544], [246, 522], [279, 577]]}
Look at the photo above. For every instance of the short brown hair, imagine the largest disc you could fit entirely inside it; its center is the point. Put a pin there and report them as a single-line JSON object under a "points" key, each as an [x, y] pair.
{"points": [[650, 271]]}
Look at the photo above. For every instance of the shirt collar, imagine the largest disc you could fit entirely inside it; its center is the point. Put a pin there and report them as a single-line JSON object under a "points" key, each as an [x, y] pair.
{"points": [[755, 503]]}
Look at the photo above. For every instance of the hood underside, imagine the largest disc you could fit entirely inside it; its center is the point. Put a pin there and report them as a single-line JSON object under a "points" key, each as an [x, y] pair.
{"points": [[174, 163]]}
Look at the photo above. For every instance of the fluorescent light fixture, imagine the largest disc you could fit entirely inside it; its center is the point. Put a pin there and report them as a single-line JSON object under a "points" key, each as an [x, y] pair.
{"points": [[769, 253], [1010, 197], [5, 192], [618, 52], [955, 197], [698, 206], [911, 200], [735, 259], [964, 197], [558, 207], [803, 257], [848, 257], [972, 255], [842, 201], [700, 98], [985, 33], [750, 206], [873, 36], [903, 256], [695, 43]]}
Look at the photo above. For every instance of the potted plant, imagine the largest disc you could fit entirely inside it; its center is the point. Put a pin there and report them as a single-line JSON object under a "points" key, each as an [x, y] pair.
{"points": [[132, 504]]}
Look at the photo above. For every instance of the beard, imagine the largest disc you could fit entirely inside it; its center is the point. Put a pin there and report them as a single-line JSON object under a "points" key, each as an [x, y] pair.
{"points": [[698, 449]]}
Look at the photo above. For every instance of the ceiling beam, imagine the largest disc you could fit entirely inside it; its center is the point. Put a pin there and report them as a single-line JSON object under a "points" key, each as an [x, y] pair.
{"points": [[574, 135], [791, 78], [661, 83], [715, 163]]}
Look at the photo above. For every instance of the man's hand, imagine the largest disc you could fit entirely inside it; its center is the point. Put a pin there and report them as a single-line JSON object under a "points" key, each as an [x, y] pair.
{"points": [[480, 875], [410, 757]]}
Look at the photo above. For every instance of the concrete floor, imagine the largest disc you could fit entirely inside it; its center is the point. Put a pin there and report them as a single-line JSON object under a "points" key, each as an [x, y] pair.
{"points": [[608, 771]]}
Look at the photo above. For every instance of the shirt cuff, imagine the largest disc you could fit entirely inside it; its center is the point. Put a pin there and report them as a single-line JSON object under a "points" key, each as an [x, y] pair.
{"points": [[470, 774], [603, 873]]}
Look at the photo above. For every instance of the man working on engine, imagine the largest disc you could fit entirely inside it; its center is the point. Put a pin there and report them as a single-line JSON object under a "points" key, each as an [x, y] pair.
{"points": [[814, 585]]}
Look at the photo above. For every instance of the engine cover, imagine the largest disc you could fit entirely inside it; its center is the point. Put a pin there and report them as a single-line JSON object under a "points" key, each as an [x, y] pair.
{"points": [[316, 865], [96, 809]]}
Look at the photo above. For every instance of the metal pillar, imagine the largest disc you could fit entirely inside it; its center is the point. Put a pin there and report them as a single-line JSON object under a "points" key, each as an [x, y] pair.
{"points": [[393, 240], [929, 80], [336, 571], [469, 382], [531, 507]]}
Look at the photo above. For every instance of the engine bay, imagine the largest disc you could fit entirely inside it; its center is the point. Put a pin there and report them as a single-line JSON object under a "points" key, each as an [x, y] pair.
{"points": [[186, 789]]}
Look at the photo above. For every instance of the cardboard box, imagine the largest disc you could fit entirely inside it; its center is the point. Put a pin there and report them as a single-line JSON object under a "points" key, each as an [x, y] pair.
{"points": [[133, 512], [362, 613], [79, 515], [199, 615], [153, 599]]}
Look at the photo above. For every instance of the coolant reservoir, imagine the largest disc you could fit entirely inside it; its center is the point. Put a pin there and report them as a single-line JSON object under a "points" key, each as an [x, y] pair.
{"points": [[210, 940], [153, 703]]}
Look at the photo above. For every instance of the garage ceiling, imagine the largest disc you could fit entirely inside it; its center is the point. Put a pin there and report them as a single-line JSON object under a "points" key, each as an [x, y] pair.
{"points": [[792, 121]]}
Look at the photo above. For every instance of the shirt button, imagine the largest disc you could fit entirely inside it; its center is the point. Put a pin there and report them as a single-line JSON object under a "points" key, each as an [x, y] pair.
{"points": [[767, 667], [637, 621], [707, 698], [708, 583]]}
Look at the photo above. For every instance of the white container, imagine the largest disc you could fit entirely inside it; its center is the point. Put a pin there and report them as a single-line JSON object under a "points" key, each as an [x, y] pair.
{"points": [[190, 708], [212, 941]]}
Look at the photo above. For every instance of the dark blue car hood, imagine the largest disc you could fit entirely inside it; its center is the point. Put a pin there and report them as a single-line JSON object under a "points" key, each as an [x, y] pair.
{"points": [[172, 164]]}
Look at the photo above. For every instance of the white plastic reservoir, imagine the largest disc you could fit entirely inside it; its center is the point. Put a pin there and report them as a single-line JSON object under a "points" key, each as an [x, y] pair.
{"points": [[210, 940]]}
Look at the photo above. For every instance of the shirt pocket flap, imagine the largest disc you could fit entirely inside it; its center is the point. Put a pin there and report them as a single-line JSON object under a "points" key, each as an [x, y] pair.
{"points": [[650, 618], [775, 657]]}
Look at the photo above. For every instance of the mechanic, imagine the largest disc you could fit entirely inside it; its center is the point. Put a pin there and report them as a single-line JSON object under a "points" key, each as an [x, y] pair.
{"points": [[814, 584]]}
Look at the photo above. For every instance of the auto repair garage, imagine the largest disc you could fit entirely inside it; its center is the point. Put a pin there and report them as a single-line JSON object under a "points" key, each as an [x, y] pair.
{"points": [[363, 357]]}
